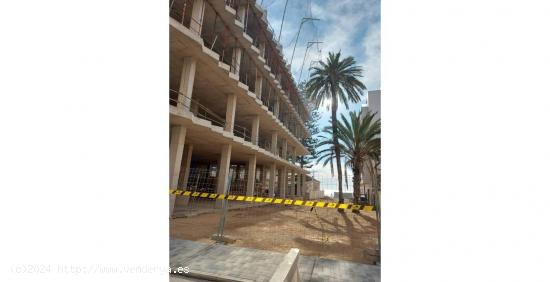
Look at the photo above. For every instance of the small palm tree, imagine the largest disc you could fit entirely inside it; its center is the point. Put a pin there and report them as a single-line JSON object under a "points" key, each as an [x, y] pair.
{"points": [[335, 80], [359, 139]]}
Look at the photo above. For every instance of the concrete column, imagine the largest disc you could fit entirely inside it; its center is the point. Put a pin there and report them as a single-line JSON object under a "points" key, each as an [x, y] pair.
{"points": [[283, 181], [263, 179], [292, 184], [285, 149], [293, 155], [300, 184], [241, 12], [177, 142], [197, 15], [195, 107], [223, 169], [255, 129], [250, 183], [262, 49], [274, 142], [236, 60], [258, 84], [272, 169], [187, 154], [279, 180], [187, 80], [184, 174], [276, 107], [230, 112]]}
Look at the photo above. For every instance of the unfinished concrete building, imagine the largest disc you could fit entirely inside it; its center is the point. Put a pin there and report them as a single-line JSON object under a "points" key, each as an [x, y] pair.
{"points": [[235, 112]]}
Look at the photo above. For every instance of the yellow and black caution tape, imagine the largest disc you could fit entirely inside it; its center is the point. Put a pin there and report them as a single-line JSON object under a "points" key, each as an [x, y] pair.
{"points": [[275, 201]]}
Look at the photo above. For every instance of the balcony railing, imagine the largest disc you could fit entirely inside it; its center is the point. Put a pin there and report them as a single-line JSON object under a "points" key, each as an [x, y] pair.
{"points": [[264, 144], [180, 100], [221, 42], [181, 10]]}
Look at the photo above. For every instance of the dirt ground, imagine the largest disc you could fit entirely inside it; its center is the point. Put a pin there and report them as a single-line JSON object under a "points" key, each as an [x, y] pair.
{"points": [[320, 232]]}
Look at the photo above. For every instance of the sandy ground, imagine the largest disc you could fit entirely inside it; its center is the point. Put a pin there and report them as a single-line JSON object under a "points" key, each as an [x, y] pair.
{"points": [[321, 232]]}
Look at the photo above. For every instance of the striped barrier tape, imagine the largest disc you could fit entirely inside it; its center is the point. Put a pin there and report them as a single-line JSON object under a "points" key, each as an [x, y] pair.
{"points": [[276, 201]]}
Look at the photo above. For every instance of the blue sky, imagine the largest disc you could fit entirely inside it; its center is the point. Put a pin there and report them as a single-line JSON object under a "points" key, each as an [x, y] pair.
{"points": [[349, 26]]}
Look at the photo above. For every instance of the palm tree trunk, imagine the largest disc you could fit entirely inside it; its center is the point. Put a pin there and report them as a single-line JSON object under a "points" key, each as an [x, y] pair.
{"points": [[334, 107], [356, 184], [372, 177]]}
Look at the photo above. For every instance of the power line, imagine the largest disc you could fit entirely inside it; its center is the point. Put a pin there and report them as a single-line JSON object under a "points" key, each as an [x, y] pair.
{"points": [[282, 21], [304, 20]]}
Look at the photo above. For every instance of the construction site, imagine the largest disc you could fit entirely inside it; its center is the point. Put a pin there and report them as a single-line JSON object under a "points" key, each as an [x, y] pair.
{"points": [[241, 206]]}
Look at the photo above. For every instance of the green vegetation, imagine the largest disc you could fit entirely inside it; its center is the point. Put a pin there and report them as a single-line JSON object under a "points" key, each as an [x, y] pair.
{"points": [[311, 142], [333, 81], [359, 140]]}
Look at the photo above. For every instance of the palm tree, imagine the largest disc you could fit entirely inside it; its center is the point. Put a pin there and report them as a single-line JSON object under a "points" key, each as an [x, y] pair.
{"points": [[359, 140], [335, 80]]}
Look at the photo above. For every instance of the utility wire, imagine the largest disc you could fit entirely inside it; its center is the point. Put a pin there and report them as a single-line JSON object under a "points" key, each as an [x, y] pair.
{"points": [[281, 29]]}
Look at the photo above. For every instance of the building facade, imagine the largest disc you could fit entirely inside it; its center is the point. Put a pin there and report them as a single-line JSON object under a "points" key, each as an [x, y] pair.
{"points": [[373, 102], [236, 119], [372, 105]]}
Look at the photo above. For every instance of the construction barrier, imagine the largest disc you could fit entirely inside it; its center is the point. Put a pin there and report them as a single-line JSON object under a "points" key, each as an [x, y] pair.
{"points": [[275, 201]]}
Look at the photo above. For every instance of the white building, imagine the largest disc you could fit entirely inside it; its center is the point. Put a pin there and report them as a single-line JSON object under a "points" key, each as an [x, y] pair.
{"points": [[373, 105]]}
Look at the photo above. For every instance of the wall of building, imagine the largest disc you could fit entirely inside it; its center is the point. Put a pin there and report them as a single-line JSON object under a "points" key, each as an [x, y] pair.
{"points": [[373, 102], [373, 105], [235, 114]]}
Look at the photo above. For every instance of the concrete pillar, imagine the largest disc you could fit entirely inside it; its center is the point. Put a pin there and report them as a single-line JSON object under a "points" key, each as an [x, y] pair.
{"points": [[276, 107], [258, 84], [292, 185], [285, 149], [241, 13], [187, 80], [195, 107], [293, 155], [255, 129], [283, 182], [223, 169], [236, 60], [274, 142], [230, 112], [197, 15], [184, 174], [263, 179], [187, 154], [177, 142], [279, 180], [300, 184], [250, 183], [272, 169], [262, 49]]}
